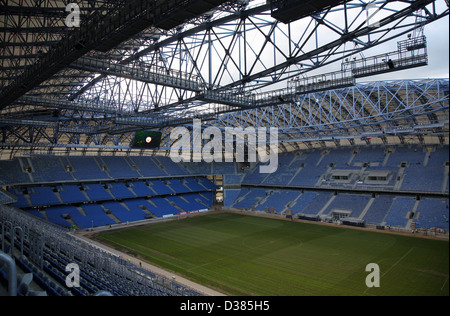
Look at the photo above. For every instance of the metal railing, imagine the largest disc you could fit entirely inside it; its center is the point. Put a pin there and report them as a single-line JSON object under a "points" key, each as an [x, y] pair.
{"points": [[60, 242], [410, 53], [11, 271], [146, 73]]}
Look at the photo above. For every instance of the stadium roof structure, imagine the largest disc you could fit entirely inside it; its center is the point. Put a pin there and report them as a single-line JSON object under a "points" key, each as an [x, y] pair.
{"points": [[154, 65]]}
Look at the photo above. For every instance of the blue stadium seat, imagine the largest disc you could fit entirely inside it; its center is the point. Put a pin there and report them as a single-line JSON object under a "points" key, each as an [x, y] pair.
{"points": [[183, 204], [86, 168], [278, 200], [119, 168], [230, 196], [95, 216], [379, 209], [71, 194], [252, 197], [120, 191], [303, 201], [207, 184], [163, 208], [147, 167], [370, 155], [433, 213], [48, 169], [159, 187], [141, 189], [136, 205], [232, 179], [194, 198], [177, 186], [22, 202], [12, 173], [123, 214], [397, 215], [169, 167], [318, 203], [41, 196], [193, 185], [311, 172], [97, 192], [55, 215]]}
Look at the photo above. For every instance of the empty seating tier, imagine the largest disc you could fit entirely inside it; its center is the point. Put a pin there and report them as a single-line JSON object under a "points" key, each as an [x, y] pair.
{"points": [[88, 205]]}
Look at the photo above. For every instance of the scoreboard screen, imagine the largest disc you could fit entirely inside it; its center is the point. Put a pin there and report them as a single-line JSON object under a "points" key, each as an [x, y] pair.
{"points": [[147, 140]]}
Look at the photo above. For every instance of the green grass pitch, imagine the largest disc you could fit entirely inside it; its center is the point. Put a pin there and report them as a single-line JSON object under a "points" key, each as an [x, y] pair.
{"points": [[246, 255]]}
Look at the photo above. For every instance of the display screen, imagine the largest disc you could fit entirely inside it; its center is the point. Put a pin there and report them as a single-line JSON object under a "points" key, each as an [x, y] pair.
{"points": [[147, 140]]}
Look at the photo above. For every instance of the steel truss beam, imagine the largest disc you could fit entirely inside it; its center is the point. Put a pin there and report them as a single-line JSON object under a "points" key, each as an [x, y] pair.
{"points": [[67, 105], [29, 28], [242, 59], [371, 109], [143, 73], [104, 33], [247, 52], [380, 109]]}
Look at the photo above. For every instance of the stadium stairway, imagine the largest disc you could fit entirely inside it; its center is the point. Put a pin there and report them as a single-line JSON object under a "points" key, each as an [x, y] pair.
{"points": [[367, 208]]}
